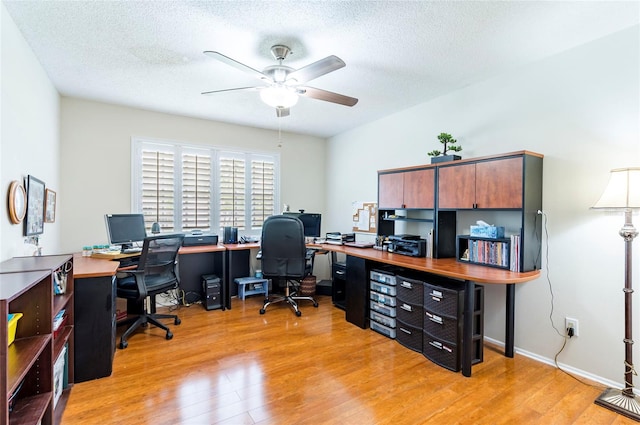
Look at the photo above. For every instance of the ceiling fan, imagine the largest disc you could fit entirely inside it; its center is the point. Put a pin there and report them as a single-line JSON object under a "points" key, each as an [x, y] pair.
{"points": [[283, 84]]}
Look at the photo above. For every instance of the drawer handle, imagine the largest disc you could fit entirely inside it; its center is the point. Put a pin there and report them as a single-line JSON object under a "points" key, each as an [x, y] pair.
{"points": [[340, 272], [407, 285], [436, 344], [405, 331], [406, 307], [435, 319], [436, 294]]}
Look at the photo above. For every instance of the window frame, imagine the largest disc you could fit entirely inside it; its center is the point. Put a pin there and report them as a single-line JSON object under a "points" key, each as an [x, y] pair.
{"points": [[138, 144]]}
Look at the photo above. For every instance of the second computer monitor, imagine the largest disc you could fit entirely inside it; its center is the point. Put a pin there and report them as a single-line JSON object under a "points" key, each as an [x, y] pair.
{"points": [[125, 229], [311, 223]]}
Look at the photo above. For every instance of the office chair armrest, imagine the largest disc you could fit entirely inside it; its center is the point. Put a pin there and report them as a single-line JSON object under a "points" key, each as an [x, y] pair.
{"points": [[139, 278]]}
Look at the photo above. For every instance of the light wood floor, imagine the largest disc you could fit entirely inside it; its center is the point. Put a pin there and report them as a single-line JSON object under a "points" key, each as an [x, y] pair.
{"points": [[240, 367]]}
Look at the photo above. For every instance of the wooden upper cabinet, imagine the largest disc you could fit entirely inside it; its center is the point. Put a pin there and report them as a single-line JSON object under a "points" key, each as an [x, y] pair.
{"points": [[390, 190], [486, 184], [456, 186], [419, 187], [406, 189], [499, 183]]}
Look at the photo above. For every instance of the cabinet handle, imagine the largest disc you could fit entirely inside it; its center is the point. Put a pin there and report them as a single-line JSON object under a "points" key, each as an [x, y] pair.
{"points": [[340, 272]]}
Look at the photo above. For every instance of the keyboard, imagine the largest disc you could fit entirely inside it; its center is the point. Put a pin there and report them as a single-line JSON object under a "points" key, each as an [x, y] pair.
{"points": [[131, 250]]}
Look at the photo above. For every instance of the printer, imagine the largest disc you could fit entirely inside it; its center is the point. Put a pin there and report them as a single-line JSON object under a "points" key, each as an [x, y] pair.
{"points": [[199, 239], [411, 245]]}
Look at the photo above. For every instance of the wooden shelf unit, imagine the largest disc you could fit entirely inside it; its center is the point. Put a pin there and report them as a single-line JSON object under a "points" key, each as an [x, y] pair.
{"points": [[27, 287], [508, 182]]}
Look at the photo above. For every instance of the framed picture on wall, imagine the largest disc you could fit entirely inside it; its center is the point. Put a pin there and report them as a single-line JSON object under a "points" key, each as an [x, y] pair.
{"points": [[34, 222], [49, 206]]}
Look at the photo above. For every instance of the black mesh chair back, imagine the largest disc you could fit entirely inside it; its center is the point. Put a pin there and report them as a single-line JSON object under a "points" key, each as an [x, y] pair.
{"points": [[156, 273], [285, 258]]}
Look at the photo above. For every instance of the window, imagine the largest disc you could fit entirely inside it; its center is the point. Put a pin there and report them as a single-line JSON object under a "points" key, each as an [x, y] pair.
{"points": [[184, 187]]}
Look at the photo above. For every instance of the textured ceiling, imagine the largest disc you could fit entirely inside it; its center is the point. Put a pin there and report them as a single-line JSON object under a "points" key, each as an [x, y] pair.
{"points": [[148, 54]]}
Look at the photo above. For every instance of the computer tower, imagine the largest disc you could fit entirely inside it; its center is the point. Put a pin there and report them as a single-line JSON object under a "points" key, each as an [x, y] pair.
{"points": [[230, 235], [211, 292]]}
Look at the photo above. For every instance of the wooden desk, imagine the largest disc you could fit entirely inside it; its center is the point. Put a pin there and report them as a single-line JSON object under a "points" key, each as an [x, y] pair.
{"points": [[447, 267]]}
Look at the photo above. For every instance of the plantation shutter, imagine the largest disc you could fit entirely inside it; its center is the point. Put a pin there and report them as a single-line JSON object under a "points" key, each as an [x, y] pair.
{"points": [[232, 192], [196, 192], [262, 191], [158, 188]]}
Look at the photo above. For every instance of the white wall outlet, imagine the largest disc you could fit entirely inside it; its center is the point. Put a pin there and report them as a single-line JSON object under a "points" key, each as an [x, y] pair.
{"points": [[571, 323]]}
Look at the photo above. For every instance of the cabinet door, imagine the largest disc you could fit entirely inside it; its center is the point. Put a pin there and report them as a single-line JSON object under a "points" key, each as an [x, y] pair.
{"points": [[499, 183], [390, 190], [419, 188], [456, 186]]}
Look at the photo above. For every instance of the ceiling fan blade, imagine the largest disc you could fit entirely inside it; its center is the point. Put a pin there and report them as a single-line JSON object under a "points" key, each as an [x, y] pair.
{"points": [[282, 112], [327, 96], [234, 63], [236, 89], [316, 69]]}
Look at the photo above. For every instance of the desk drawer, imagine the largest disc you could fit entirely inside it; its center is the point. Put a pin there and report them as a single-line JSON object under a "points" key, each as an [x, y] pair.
{"points": [[381, 277], [409, 336], [410, 314], [410, 290], [445, 328], [382, 288], [381, 308], [384, 330], [383, 299], [383, 319], [441, 300], [441, 352]]}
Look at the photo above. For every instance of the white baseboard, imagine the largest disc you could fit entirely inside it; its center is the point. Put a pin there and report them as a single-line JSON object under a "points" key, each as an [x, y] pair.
{"points": [[570, 369]]}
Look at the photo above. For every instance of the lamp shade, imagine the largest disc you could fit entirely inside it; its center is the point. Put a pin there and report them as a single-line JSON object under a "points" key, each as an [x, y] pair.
{"points": [[279, 97], [623, 190], [155, 228]]}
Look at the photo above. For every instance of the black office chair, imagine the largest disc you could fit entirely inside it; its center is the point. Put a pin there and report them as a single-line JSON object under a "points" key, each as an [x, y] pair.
{"points": [[156, 273], [285, 258]]}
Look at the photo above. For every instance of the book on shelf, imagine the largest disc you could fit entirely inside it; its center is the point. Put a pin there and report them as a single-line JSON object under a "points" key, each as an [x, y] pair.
{"points": [[515, 253]]}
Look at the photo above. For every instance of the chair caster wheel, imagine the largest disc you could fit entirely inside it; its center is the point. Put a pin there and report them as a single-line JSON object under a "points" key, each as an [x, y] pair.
{"points": [[123, 345], [177, 321], [262, 311], [298, 313], [315, 305], [169, 335]]}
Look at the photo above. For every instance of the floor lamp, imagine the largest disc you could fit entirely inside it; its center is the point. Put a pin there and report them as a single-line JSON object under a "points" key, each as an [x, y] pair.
{"points": [[623, 194]]}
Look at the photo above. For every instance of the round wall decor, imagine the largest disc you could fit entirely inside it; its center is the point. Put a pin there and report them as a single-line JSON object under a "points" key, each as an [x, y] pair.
{"points": [[17, 202]]}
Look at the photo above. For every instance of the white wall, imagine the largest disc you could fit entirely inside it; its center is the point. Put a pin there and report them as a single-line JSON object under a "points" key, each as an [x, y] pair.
{"points": [[96, 161], [29, 128], [581, 110]]}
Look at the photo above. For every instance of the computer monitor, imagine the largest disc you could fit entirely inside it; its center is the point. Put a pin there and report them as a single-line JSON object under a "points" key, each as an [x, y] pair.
{"points": [[311, 223], [125, 229]]}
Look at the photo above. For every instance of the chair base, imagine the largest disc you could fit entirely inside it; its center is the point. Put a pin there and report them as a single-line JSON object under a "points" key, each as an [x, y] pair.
{"points": [[144, 320], [290, 298]]}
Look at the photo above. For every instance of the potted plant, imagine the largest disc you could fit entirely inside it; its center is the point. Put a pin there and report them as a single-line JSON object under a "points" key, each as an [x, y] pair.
{"points": [[449, 145]]}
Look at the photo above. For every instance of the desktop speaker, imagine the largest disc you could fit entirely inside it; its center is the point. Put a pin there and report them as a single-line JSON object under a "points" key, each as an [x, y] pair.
{"points": [[230, 235], [211, 294]]}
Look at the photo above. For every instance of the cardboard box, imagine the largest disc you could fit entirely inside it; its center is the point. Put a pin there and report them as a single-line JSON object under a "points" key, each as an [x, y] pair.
{"points": [[493, 232]]}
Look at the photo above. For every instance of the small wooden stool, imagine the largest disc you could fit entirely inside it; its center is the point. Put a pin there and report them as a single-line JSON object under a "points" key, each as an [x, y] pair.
{"points": [[251, 286]]}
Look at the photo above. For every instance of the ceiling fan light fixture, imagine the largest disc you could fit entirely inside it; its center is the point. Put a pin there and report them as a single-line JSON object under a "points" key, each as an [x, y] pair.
{"points": [[279, 97]]}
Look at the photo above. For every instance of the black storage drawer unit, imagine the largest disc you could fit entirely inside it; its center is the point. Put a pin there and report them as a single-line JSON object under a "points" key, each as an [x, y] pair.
{"points": [[409, 336], [410, 290], [410, 314]]}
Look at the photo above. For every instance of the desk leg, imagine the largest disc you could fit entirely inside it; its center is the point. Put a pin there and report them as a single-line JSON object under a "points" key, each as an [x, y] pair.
{"points": [[510, 320], [467, 328]]}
